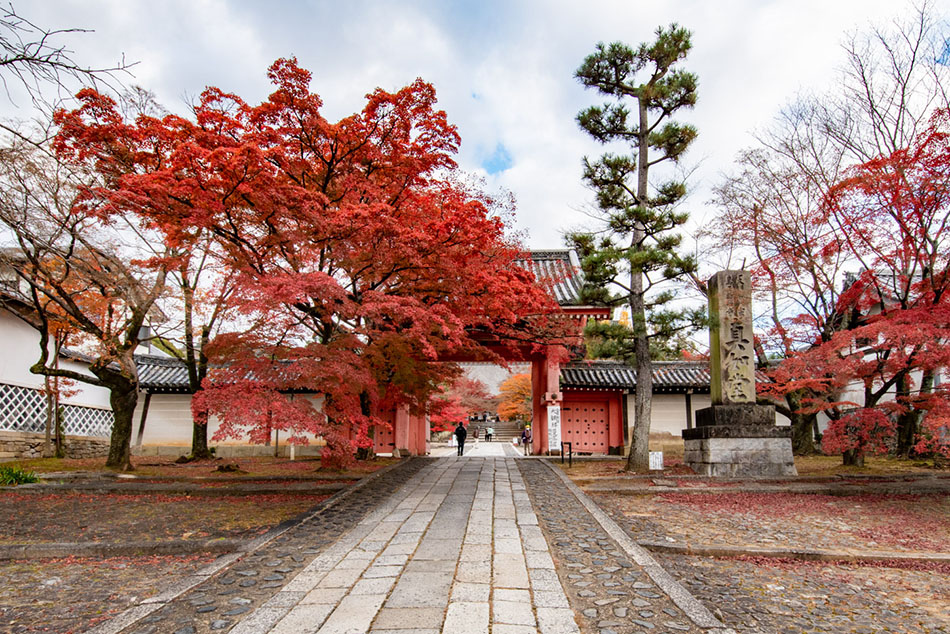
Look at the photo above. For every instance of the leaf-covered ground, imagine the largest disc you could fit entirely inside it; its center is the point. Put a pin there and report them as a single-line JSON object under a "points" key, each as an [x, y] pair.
{"points": [[817, 466], [754, 595], [258, 466], [71, 595], [111, 517], [787, 520]]}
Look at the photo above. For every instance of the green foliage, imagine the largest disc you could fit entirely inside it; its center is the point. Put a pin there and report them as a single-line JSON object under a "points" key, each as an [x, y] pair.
{"points": [[613, 340], [636, 246], [12, 475]]}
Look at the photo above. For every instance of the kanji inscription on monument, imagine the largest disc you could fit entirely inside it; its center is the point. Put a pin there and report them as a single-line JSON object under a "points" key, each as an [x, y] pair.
{"points": [[731, 363]]}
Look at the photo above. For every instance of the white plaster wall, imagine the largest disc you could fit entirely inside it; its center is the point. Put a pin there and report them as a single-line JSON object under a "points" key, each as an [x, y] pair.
{"points": [[20, 349], [169, 421], [668, 413]]}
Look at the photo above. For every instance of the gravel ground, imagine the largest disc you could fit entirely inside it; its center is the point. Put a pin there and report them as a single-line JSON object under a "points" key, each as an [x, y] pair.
{"points": [[116, 518], [796, 597], [865, 523], [71, 595]]}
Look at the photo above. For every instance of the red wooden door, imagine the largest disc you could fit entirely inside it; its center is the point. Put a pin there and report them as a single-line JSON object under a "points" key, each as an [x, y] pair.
{"points": [[383, 440], [584, 423]]}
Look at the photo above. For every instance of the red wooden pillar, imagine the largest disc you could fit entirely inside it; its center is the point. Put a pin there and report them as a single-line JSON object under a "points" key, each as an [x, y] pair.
{"points": [[545, 384], [615, 427], [401, 429], [418, 435]]}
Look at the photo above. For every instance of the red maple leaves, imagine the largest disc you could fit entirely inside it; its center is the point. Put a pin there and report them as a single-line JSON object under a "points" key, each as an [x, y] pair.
{"points": [[362, 255], [879, 368]]}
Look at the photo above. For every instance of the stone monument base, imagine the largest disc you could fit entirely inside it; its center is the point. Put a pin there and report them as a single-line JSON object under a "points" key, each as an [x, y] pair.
{"points": [[739, 440]]}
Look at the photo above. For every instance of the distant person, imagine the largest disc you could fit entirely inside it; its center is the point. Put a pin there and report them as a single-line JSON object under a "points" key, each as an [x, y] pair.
{"points": [[526, 440], [489, 432], [460, 434], [475, 434]]}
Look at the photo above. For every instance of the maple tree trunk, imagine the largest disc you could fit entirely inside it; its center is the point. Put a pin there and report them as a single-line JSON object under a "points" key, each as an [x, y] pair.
{"points": [[59, 446], [199, 437], [803, 438], [906, 421], [50, 420], [852, 458], [122, 396]]}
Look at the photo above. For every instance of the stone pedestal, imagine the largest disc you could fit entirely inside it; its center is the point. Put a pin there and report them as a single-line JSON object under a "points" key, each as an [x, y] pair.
{"points": [[740, 447], [736, 436]]}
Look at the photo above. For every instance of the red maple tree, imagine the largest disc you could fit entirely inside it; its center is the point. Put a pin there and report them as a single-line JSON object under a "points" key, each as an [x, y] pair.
{"points": [[875, 377], [361, 253]]}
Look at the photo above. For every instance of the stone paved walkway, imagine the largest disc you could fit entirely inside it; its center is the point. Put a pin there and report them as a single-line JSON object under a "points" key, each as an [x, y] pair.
{"points": [[455, 545], [458, 550]]}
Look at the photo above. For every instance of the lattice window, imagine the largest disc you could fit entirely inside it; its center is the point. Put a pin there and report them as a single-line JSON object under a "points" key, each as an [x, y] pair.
{"points": [[24, 409]]}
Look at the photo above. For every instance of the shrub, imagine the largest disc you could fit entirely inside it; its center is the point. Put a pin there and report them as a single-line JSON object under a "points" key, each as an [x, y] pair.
{"points": [[13, 475]]}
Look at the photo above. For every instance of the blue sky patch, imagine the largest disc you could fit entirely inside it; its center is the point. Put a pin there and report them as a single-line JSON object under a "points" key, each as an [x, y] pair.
{"points": [[499, 161], [944, 57]]}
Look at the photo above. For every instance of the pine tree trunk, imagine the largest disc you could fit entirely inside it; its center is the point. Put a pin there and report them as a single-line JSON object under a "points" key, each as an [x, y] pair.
{"points": [[639, 457], [123, 397]]}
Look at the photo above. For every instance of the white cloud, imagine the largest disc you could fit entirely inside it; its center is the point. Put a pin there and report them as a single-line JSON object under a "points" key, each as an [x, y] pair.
{"points": [[518, 59]]}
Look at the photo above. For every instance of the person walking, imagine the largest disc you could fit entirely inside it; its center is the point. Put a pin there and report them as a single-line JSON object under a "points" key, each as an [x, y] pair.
{"points": [[489, 432], [460, 434]]}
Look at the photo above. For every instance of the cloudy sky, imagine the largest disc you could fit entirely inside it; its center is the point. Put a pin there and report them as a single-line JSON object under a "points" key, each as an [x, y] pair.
{"points": [[503, 69]]}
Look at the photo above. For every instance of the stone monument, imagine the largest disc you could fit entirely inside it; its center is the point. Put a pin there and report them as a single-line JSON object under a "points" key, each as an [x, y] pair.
{"points": [[736, 436]]}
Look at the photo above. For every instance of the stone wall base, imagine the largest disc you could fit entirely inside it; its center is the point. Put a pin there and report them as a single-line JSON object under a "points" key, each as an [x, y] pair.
{"points": [[21, 445], [737, 457]]}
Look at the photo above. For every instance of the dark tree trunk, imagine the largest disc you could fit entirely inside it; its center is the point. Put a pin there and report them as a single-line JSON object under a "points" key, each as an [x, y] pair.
{"points": [[906, 422], [803, 443], [123, 396], [853, 458], [59, 444], [199, 437], [50, 419], [803, 440]]}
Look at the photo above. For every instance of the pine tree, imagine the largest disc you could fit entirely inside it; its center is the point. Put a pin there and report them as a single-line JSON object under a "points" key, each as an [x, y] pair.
{"points": [[635, 248]]}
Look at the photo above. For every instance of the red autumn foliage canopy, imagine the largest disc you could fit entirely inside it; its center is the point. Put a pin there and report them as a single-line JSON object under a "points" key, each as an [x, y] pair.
{"points": [[893, 214], [363, 254]]}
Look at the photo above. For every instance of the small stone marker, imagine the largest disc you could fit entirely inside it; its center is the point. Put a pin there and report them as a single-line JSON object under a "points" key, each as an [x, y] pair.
{"points": [[736, 436]]}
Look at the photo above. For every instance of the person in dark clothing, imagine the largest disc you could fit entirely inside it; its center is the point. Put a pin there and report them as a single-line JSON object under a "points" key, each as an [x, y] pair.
{"points": [[460, 434]]}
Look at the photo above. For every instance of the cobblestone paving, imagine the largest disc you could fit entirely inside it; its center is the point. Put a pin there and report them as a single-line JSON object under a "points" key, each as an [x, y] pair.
{"points": [[218, 603], [805, 597], [610, 594]]}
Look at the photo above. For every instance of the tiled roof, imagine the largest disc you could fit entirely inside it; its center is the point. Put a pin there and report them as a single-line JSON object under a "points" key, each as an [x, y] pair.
{"points": [[599, 374], [161, 374], [668, 376], [558, 271]]}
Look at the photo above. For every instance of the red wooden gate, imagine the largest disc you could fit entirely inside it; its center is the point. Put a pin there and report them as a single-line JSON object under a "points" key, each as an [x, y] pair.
{"points": [[585, 424]]}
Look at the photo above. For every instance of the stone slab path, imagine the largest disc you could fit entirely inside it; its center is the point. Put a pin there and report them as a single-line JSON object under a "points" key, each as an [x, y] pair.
{"points": [[458, 550], [482, 544]]}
